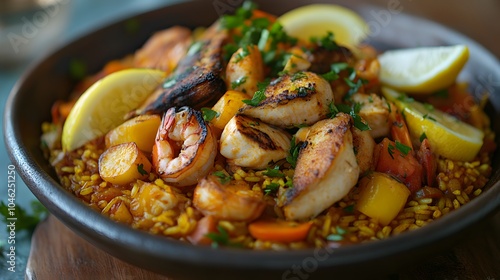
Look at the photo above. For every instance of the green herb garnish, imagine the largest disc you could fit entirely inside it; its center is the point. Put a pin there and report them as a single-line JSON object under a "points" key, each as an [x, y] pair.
{"points": [[224, 178], [293, 153], [402, 148], [259, 95], [219, 238], [337, 236], [423, 136], [140, 169], [327, 41], [441, 93], [298, 76], [426, 116], [275, 172], [390, 149], [24, 221], [238, 82], [271, 188], [209, 114]]}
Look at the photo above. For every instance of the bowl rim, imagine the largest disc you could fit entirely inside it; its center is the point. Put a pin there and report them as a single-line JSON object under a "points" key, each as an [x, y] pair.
{"points": [[144, 243]]}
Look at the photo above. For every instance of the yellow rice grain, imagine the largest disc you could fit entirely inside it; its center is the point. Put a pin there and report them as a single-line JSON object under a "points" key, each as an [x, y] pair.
{"points": [[86, 191], [456, 204], [477, 192], [326, 226], [253, 179], [227, 225], [399, 229], [436, 214]]}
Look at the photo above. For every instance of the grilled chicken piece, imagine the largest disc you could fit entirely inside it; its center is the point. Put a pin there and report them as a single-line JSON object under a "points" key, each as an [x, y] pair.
{"points": [[301, 98], [197, 82], [375, 112], [164, 49], [364, 145], [245, 70], [326, 169], [248, 142]]}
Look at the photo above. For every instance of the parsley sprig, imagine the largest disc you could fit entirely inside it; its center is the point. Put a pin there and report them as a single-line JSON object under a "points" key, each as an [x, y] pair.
{"points": [[351, 110], [259, 95], [293, 153], [209, 114], [221, 238], [24, 220]]}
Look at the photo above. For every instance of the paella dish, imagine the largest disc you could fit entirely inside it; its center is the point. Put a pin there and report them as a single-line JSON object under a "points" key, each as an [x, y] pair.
{"points": [[257, 133]]}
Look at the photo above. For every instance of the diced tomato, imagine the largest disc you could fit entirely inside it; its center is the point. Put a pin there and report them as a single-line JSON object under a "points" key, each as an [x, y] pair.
{"points": [[205, 226], [399, 130], [392, 161], [456, 101]]}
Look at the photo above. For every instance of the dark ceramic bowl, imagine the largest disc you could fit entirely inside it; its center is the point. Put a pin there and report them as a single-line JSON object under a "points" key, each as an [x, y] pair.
{"points": [[48, 80]]}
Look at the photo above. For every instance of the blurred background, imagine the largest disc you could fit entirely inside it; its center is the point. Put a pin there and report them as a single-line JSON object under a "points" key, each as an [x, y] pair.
{"points": [[29, 29]]}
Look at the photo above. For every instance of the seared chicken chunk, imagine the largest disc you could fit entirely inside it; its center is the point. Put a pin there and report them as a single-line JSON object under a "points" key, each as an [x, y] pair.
{"points": [[326, 169]]}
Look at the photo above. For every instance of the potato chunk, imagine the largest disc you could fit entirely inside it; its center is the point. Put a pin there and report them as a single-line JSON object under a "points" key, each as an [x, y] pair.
{"points": [[123, 164], [140, 130]]}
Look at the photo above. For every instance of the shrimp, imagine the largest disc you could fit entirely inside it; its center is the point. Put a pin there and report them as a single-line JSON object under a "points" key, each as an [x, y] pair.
{"points": [[376, 113], [291, 100], [326, 169], [249, 142], [164, 50], [244, 70], [234, 200], [185, 147]]}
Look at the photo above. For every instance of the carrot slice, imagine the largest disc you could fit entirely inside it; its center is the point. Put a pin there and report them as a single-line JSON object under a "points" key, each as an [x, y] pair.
{"points": [[279, 231]]}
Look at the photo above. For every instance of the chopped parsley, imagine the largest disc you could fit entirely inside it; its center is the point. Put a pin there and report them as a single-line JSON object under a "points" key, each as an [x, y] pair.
{"points": [[77, 69], [209, 114], [339, 66], [423, 136], [353, 86], [293, 153], [224, 178], [24, 220], [298, 76], [349, 208], [426, 116], [404, 98], [219, 238], [330, 76], [390, 149], [402, 148], [337, 236], [242, 54], [238, 82], [271, 188], [352, 111], [275, 172], [327, 41], [441, 93], [304, 91], [261, 32], [259, 95], [140, 169], [428, 107]]}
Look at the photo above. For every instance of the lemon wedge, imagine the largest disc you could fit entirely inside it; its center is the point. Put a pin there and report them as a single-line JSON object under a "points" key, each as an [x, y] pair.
{"points": [[422, 70], [103, 106], [316, 20], [448, 136]]}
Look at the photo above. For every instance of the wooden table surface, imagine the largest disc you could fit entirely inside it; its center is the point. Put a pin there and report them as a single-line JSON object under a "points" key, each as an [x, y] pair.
{"points": [[57, 253]]}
